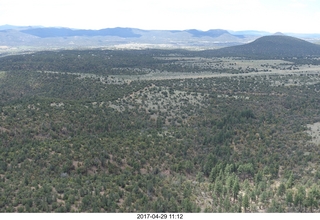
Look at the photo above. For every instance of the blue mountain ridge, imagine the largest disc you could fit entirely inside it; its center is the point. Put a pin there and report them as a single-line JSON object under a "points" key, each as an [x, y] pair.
{"points": [[67, 32], [119, 32]]}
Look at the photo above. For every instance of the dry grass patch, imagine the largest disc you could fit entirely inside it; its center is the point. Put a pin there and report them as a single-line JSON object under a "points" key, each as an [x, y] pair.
{"points": [[314, 132], [2, 74]]}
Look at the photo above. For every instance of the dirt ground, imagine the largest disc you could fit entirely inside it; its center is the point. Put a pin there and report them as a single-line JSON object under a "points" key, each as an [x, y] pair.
{"points": [[314, 132], [264, 67]]}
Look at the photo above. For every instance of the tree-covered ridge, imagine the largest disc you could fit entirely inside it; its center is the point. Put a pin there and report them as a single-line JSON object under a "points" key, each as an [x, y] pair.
{"points": [[273, 47], [105, 62]]}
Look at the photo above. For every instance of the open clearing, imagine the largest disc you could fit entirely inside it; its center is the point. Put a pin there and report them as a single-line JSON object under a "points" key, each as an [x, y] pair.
{"points": [[2, 74], [221, 67], [217, 67], [314, 132]]}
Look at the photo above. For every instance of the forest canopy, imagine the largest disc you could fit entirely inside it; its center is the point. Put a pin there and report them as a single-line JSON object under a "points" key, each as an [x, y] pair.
{"points": [[84, 131]]}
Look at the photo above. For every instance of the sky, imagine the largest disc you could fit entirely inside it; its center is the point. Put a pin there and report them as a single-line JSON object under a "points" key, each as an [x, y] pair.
{"points": [[287, 16]]}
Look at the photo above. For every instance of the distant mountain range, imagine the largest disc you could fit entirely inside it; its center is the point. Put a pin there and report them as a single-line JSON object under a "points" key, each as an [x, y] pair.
{"points": [[56, 37], [66, 32]]}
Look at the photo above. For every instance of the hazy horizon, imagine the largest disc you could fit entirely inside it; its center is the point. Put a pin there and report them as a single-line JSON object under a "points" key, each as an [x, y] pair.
{"points": [[287, 16], [230, 31]]}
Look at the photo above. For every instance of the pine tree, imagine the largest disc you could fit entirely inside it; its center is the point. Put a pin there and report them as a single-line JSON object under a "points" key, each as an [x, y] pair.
{"points": [[289, 197], [290, 182], [300, 197], [245, 202], [281, 190], [313, 194], [218, 187], [235, 188]]}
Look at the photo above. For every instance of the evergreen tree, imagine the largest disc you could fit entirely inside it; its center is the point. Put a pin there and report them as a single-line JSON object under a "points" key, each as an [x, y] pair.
{"points": [[281, 190], [235, 188], [245, 202], [289, 182], [289, 197], [300, 197], [313, 195]]}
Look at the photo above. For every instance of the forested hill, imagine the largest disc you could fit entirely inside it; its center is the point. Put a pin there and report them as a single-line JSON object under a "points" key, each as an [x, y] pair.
{"points": [[275, 46]]}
